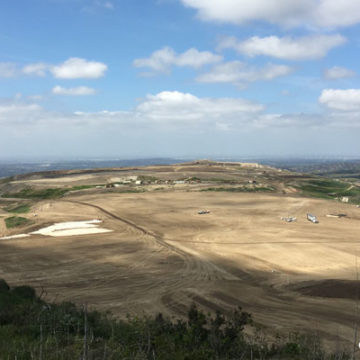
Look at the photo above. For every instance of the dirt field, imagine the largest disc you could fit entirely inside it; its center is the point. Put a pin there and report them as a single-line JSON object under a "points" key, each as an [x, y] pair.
{"points": [[162, 256]]}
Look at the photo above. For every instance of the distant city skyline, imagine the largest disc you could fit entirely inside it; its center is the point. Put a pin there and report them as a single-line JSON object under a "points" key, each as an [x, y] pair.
{"points": [[179, 78]]}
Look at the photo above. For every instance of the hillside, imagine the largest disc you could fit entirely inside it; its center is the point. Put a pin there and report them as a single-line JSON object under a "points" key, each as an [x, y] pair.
{"points": [[159, 238]]}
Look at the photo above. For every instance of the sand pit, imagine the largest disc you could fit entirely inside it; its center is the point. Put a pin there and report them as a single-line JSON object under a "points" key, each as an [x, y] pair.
{"points": [[72, 228]]}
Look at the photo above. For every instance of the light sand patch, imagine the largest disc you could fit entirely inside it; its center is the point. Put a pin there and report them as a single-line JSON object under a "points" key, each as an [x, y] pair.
{"points": [[72, 228], [19, 236]]}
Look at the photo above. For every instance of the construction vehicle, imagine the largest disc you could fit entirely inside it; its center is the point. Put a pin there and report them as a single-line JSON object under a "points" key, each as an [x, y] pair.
{"points": [[289, 218], [312, 218]]}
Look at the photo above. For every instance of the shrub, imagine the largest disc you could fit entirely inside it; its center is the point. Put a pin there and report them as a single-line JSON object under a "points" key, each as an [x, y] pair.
{"points": [[4, 286], [15, 221], [24, 292]]}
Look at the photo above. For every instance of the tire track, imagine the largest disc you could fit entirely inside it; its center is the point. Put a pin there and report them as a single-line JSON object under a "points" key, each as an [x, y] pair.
{"points": [[196, 272], [135, 226]]}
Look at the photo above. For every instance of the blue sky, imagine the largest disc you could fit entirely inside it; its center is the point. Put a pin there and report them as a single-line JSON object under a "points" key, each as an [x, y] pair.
{"points": [[175, 78]]}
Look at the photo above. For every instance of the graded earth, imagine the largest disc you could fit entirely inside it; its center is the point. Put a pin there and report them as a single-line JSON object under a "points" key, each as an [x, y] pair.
{"points": [[162, 253]]}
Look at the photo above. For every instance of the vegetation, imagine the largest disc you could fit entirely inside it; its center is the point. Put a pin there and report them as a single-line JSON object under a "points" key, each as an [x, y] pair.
{"points": [[222, 181], [30, 328], [330, 189], [147, 178], [194, 178], [241, 189], [83, 187], [18, 209], [15, 221], [330, 168], [30, 193], [50, 193], [130, 191], [6, 180]]}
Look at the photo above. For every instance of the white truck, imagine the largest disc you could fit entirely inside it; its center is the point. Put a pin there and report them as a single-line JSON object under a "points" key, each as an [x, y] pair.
{"points": [[312, 218]]}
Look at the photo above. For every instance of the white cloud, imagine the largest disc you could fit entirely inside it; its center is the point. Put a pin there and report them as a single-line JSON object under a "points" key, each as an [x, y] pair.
{"points": [[73, 68], [338, 72], [162, 60], [333, 13], [239, 73], [289, 13], [168, 110], [76, 91], [303, 48], [38, 69], [175, 106], [15, 113], [76, 68], [290, 120], [196, 59], [345, 100], [7, 70]]}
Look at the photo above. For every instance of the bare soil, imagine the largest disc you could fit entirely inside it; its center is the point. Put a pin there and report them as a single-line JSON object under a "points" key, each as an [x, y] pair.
{"points": [[162, 256]]}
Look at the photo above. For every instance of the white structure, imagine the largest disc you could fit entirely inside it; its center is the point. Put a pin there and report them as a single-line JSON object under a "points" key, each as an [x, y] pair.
{"points": [[138, 182], [345, 199], [179, 182]]}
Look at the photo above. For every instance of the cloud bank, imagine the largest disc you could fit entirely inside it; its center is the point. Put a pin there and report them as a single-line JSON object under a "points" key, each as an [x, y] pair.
{"points": [[287, 13], [285, 48], [174, 110]]}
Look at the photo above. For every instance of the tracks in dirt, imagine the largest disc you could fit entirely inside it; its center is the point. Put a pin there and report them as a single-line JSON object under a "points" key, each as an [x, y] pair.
{"points": [[172, 290], [133, 225]]}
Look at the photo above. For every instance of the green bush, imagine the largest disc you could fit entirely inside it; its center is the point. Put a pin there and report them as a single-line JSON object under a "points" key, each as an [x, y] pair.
{"points": [[4, 286], [25, 292], [18, 209], [241, 189], [30, 328], [38, 194], [15, 221]]}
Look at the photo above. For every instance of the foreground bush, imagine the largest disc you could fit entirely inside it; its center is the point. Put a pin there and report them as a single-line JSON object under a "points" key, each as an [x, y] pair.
{"points": [[30, 328]]}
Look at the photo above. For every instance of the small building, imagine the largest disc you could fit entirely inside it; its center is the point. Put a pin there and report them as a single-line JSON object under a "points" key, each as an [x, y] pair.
{"points": [[138, 182], [179, 182], [345, 199]]}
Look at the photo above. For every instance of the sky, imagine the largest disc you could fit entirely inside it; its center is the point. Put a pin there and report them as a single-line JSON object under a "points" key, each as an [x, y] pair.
{"points": [[179, 78]]}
